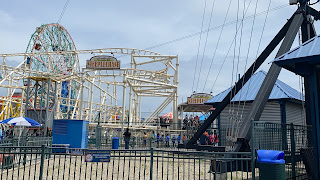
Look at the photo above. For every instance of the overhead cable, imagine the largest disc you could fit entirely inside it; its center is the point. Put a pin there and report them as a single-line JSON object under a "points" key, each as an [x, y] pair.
{"points": [[205, 44], [215, 50], [63, 10], [214, 28], [195, 69]]}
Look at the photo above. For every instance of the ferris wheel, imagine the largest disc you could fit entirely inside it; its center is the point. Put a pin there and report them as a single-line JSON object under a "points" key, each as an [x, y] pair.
{"points": [[50, 38], [54, 38]]}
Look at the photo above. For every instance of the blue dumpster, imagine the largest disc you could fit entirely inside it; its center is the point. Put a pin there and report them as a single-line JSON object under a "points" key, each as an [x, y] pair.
{"points": [[115, 143], [271, 165]]}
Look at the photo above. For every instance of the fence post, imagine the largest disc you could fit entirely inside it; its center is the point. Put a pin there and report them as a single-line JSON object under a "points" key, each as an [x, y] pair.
{"points": [[284, 136], [293, 152], [24, 156], [42, 161], [151, 163], [150, 143], [253, 152]]}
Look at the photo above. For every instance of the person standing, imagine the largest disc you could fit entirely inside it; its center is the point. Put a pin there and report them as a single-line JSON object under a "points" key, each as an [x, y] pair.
{"points": [[167, 140], [197, 119], [127, 136], [153, 135], [145, 139], [203, 139], [211, 139], [162, 140], [173, 140], [191, 117], [158, 140], [184, 139], [179, 139], [216, 139]]}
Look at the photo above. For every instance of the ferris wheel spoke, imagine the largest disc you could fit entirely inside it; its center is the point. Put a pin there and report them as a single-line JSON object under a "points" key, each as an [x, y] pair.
{"points": [[41, 61], [69, 61], [50, 56], [59, 64], [61, 48], [53, 40]]}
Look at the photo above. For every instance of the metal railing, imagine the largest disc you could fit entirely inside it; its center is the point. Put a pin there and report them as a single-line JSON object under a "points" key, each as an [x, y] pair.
{"points": [[153, 160], [136, 143], [26, 141], [42, 163], [294, 140], [280, 136]]}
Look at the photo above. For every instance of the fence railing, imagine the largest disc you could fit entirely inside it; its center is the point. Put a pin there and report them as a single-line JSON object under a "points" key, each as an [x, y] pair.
{"points": [[280, 136], [154, 160], [26, 141], [294, 140], [136, 143], [42, 163]]}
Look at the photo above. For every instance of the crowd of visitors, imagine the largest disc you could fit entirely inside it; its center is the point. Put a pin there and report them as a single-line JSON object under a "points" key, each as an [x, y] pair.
{"points": [[209, 139], [163, 140], [171, 140], [191, 122]]}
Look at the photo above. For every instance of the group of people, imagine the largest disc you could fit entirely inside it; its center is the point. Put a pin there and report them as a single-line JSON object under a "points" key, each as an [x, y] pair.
{"points": [[164, 140], [160, 140], [209, 139], [174, 139], [165, 120], [191, 122]]}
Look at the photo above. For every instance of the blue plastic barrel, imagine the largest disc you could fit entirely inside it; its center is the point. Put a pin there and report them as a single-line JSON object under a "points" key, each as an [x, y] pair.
{"points": [[115, 143], [271, 165]]}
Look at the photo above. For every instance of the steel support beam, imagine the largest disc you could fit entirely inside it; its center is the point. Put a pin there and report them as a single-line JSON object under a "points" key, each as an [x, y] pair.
{"points": [[313, 99], [262, 97], [308, 31], [311, 86], [263, 56], [46, 125]]}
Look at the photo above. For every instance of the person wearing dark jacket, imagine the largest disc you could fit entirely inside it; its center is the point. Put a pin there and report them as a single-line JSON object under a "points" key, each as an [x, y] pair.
{"points": [[203, 139], [127, 136]]}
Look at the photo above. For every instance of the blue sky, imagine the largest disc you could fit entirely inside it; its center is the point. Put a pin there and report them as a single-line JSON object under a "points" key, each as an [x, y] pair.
{"points": [[144, 23]]}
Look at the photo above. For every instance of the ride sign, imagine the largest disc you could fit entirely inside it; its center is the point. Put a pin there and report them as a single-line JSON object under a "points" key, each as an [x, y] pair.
{"points": [[97, 155], [199, 98], [103, 62]]}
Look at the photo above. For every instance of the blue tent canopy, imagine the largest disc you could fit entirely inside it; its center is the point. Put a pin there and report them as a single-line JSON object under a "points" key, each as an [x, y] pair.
{"points": [[203, 117]]}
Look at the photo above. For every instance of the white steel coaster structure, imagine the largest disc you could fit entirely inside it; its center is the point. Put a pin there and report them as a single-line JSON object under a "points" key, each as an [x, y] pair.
{"points": [[53, 86], [161, 81], [94, 101]]}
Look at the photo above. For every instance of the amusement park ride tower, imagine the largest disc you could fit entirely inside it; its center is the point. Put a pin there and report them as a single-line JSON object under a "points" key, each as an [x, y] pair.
{"points": [[53, 87], [308, 67], [41, 91]]}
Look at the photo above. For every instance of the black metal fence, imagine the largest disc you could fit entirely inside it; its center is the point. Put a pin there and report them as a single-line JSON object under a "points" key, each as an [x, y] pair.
{"points": [[294, 140], [26, 141], [152, 159], [42, 163], [136, 143]]}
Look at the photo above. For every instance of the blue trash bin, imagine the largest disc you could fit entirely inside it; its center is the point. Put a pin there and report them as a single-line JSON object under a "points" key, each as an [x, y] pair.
{"points": [[115, 143], [271, 165]]}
